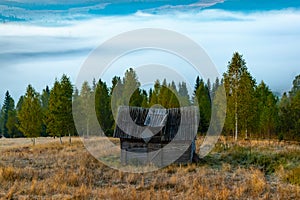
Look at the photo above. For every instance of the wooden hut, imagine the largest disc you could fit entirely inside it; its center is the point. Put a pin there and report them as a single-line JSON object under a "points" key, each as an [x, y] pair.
{"points": [[156, 135]]}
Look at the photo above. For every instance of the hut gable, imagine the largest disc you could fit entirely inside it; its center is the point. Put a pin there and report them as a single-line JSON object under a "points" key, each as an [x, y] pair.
{"points": [[146, 130]]}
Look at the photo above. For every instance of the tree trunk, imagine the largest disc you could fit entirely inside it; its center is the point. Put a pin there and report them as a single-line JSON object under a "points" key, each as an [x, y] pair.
{"points": [[60, 139], [269, 133], [236, 122], [87, 128], [70, 140], [250, 143]]}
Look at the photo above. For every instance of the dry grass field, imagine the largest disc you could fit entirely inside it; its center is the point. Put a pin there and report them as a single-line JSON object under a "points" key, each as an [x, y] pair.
{"points": [[49, 170]]}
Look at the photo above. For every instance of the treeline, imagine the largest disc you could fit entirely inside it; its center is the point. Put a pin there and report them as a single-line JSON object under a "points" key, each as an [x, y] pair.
{"points": [[35, 115], [253, 110]]}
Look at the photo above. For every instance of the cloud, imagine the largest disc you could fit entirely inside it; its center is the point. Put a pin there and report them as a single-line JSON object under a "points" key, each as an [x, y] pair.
{"points": [[41, 12], [269, 41]]}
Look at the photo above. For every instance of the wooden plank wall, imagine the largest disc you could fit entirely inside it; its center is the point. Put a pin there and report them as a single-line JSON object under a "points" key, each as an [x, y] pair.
{"points": [[160, 154]]}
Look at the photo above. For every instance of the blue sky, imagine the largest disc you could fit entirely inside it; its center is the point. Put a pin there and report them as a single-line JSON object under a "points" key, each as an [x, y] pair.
{"points": [[41, 40]]}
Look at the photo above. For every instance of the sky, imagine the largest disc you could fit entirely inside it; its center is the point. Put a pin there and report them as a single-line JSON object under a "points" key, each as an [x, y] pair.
{"points": [[41, 40]]}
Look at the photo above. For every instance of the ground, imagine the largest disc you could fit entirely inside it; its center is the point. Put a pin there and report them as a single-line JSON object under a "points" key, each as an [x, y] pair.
{"points": [[246, 170]]}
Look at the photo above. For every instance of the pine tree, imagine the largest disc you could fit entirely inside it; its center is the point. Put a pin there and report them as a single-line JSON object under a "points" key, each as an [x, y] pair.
{"points": [[209, 87], [66, 110], [295, 107], [136, 98], [11, 124], [78, 112], [18, 108], [218, 110], [262, 93], [45, 105], [103, 108], [116, 92], [131, 92], [30, 115], [53, 122], [174, 102], [269, 119], [296, 86], [45, 98], [154, 96], [202, 97], [116, 81], [59, 116], [246, 102], [295, 114], [20, 103], [8, 106], [215, 86], [173, 96], [197, 84], [145, 98], [285, 119], [150, 96], [164, 95], [86, 103], [183, 94]]}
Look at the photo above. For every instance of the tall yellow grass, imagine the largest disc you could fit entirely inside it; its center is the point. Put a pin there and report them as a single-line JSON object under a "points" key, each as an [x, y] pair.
{"points": [[53, 171]]}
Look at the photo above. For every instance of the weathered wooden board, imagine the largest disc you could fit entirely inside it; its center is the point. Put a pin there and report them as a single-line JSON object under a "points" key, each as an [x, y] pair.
{"points": [[160, 154]]}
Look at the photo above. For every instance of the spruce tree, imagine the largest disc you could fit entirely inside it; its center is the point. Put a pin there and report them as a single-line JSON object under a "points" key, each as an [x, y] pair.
{"points": [[131, 91], [116, 92], [20, 103], [183, 94], [45, 104], [296, 86], [295, 108], [86, 103], [8, 106], [145, 98], [53, 122], [59, 115], [246, 102], [269, 119], [204, 102], [11, 124], [261, 93], [103, 108], [215, 86], [173, 96], [295, 113], [66, 115], [286, 122], [164, 94], [155, 93], [30, 115]]}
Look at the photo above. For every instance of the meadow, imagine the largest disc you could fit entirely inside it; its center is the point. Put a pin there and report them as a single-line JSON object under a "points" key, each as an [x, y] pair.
{"points": [[254, 169]]}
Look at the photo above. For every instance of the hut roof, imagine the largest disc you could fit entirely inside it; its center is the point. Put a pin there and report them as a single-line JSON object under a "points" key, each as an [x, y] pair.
{"points": [[156, 117], [168, 124]]}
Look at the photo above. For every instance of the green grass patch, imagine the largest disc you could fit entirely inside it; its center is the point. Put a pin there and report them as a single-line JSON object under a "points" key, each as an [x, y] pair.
{"points": [[293, 176], [268, 161]]}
